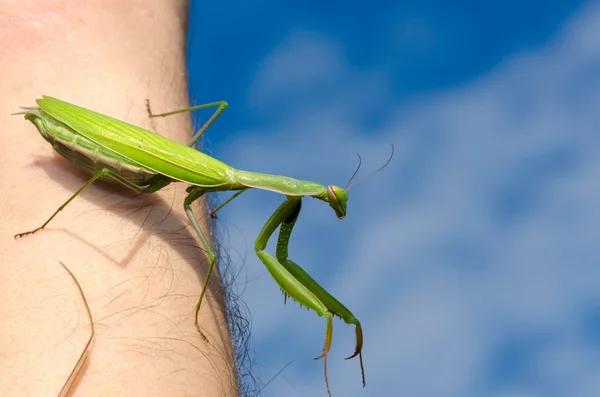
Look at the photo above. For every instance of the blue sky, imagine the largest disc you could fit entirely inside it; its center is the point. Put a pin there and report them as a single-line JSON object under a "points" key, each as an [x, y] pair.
{"points": [[473, 260]]}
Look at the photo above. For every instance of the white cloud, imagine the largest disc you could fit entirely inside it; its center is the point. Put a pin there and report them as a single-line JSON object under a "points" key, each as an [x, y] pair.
{"points": [[286, 72], [483, 229]]}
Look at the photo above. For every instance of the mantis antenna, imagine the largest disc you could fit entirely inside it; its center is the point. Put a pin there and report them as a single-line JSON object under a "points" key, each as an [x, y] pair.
{"points": [[350, 186]]}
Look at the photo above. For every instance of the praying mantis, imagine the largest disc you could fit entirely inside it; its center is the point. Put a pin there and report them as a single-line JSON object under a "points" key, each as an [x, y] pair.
{"points": [[115, 151]]}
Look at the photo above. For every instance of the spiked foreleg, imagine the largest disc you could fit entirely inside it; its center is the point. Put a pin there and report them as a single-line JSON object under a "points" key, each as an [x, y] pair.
{"points": [[296, 283], [332, 304]]}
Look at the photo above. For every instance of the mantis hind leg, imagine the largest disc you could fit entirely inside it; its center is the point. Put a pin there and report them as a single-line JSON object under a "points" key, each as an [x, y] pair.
{"points": [[299, 285], [157, 184], [221, 106]]}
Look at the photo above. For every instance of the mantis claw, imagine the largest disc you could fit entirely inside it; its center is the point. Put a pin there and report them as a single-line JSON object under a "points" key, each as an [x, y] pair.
{"points": [[328, 338], [358, 351], [326, 348], [359, 342]]}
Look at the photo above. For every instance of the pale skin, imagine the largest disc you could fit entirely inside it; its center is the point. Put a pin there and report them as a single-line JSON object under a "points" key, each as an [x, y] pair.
{"points": [[135, 256]]}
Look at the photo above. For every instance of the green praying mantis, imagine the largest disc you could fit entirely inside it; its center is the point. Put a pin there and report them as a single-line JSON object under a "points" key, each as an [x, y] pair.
{"points": [[118, 152]]}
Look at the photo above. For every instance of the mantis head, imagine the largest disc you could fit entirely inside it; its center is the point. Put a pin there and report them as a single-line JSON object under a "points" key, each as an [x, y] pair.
{"points": [[337, 199]]}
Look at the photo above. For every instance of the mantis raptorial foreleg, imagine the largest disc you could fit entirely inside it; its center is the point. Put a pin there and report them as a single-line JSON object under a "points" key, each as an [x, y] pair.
{"points": [[295, 282]]}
